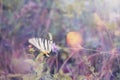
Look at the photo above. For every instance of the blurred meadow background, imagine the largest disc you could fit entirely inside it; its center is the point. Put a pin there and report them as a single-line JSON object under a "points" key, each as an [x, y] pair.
{"points": [[86, 36]]}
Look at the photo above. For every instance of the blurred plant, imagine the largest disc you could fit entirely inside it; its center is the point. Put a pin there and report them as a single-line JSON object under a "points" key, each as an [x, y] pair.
{"points": [[86, 39], [69, 10]]}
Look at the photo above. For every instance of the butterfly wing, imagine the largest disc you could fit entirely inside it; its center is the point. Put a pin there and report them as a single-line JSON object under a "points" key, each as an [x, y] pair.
{"points": [[42, 44], [50, 45], [35, 42], [46, 44]]}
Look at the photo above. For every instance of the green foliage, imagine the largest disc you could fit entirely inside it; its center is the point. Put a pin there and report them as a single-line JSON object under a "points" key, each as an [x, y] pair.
{"points": [[62, 76]]}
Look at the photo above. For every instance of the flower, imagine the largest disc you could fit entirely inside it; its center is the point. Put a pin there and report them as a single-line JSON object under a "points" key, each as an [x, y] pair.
{"points": [[54, 47]]}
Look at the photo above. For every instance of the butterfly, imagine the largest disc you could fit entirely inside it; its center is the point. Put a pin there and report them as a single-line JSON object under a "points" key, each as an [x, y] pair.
{"points": [[44, 45]]}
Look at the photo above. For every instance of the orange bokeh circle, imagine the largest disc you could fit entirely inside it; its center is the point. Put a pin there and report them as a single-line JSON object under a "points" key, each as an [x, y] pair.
{"points": [[74, 39]]}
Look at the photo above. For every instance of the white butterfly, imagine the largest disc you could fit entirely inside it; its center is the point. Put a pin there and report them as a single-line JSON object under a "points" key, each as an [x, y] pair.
{"points": [[44, 45]]}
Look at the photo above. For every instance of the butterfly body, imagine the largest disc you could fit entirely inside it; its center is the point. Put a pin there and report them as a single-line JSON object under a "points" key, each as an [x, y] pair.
{"points": [[46, 53]]}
